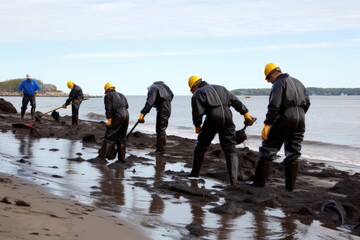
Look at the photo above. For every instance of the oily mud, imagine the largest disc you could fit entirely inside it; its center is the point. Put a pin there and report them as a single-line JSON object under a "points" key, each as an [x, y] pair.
{"points": [[322, 193]]}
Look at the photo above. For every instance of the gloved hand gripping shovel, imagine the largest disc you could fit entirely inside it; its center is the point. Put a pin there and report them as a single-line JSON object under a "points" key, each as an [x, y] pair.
{"points": [[127, 136]]}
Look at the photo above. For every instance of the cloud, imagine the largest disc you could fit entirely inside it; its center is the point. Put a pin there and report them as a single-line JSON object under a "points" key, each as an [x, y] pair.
{"points": [[24, 20], [197, 52]]}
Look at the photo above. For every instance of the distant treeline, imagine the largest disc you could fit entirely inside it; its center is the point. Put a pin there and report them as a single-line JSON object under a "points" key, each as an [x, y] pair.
{"points": [[10, 88], [310, 91], [13, 84]]}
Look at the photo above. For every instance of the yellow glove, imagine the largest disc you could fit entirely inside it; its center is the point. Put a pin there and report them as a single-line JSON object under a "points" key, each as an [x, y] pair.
{"points": [[64, 106], [265, 132], [108, 123], [36, 92], [21, 93], [141, 118], [197, 130], [249, 120]]}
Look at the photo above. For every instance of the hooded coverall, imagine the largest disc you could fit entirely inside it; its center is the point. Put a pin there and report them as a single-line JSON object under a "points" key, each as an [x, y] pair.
{"points": [[215, 101], [116, 108], [159, 96], [288, 103], [76, 94], [28, 87]]}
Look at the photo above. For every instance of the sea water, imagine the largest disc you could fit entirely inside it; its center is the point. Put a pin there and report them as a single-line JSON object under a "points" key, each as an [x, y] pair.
{"points": [[332, 122]]}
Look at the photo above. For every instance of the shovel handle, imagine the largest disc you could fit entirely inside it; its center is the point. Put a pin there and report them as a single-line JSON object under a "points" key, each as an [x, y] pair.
{"points": [[132, 129], [51, 110], [62, 106]]}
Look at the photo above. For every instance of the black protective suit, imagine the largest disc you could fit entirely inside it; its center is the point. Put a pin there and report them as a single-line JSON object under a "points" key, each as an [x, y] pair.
{"points": [[116, 108], [215, 101], [288, 103], [75, 95], [159, 96]]}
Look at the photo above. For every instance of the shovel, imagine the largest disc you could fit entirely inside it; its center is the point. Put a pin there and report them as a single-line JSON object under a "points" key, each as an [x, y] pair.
{"points": [[132, 129], [240, 136], [40, 114]]}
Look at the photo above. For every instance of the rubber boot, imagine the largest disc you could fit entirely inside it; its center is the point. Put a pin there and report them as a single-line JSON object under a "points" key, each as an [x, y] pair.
{"points": [[32, 113], [232, 163], [121, 152], [74, 120], [22, 113], [198, 159], [160, 143], [261, 173], [101, 158], [291, 170]]}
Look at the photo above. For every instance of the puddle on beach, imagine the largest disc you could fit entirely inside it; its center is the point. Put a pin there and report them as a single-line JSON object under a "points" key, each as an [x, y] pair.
{"points": [[122, 191]]}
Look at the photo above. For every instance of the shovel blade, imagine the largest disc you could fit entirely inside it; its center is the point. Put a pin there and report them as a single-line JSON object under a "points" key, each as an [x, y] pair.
{"points": [[55, 115], [240, 136]]}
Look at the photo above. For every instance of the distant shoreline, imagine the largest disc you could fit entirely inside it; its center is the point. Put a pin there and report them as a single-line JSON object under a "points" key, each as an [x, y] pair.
{"points": [[312, 91], [48, 94]]}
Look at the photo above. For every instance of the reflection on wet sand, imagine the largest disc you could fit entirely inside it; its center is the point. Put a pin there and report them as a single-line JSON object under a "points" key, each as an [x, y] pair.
{"points": [[157, 204], [25, 147], [226, 226], [289, 227], [261, 226], [196, 227], [111, 186]]}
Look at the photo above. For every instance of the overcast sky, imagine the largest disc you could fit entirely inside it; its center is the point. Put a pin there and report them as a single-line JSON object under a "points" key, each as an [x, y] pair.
{"points": [[134, 43]]}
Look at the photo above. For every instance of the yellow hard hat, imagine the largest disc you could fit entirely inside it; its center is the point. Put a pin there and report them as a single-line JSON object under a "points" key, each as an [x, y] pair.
{"points": [[192, 80], [269, 67], [108, 85], [70, 84]]}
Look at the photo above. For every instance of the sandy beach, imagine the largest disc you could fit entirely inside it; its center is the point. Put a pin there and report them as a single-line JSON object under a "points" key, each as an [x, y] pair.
{"points": [[28, 211], [322, 194]]}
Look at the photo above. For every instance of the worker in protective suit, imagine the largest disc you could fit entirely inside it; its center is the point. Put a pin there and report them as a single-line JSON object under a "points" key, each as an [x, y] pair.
{"points": [[75, 97], [215, 101], [28, 88], [284, 124], [159, 96], [116, 111]]}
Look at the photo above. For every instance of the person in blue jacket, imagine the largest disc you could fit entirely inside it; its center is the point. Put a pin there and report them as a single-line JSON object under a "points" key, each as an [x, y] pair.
{"points": [[28, 89]]}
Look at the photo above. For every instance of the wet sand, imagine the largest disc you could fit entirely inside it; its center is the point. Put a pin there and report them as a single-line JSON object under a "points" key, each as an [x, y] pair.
{"points": [[322, 193], [28, 211]]}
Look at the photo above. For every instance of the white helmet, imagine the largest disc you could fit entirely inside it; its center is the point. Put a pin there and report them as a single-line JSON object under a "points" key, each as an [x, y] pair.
{"points": [[28, 75]]}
